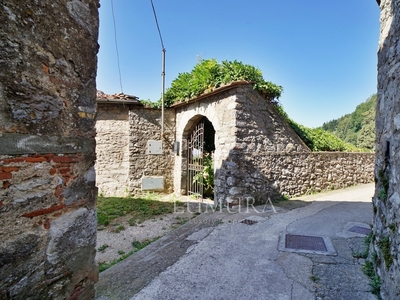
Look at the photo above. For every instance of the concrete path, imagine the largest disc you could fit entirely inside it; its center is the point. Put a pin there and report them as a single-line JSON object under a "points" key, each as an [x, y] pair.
{"points": [[216, 256]]}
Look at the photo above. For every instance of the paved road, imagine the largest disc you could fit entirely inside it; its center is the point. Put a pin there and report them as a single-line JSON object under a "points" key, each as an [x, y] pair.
{"points": [[215, 256]]}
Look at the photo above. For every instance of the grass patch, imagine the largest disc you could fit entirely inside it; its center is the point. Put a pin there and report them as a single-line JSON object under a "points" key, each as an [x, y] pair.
{"points": [[103, 247], [119, 228], [139, 208], [138, 246], [384, 246], [375, 280], [181, 221], [368, 269]]}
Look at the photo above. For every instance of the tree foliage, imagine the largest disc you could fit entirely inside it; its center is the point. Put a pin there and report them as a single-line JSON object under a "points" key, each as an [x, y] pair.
{"points": [[208, 75], [318, 139], [357, 128]]}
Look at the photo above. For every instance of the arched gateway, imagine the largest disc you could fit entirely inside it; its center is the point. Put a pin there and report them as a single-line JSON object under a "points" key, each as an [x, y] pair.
{"points": [[255, 152], [244, 123], [199, 154]]}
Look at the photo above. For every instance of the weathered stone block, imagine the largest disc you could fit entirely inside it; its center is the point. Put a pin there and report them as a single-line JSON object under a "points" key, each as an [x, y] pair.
{"points": [[47, 105], [386, 199]]}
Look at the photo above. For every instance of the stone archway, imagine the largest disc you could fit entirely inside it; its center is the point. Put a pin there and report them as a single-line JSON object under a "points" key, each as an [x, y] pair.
{"points": [[247, 127], [218, 108], [183, 134]]}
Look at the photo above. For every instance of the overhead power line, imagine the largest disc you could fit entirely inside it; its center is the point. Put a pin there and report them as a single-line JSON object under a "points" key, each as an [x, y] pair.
{"points": [[158, 27], [116, 46], [162, 72]]}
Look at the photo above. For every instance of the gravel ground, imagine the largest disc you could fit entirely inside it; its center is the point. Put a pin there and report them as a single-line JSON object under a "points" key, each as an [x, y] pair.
{"points": [[112, 243]]}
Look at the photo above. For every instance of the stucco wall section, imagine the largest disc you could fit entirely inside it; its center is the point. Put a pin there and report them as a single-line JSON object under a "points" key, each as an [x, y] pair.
{"points": [[112, 149], [386, 230]]}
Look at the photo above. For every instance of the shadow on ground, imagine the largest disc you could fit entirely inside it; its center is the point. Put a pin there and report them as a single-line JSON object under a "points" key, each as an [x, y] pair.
{"points": [[235, 253]]}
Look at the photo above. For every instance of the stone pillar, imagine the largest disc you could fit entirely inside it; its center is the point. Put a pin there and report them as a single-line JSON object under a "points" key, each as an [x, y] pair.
{"points": [[47, 148], [386, 230]]}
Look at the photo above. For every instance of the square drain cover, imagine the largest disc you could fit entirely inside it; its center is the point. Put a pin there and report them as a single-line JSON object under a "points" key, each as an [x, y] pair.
{"points": [[361, 230], [249, 222], [304, 242], [321, 245]]}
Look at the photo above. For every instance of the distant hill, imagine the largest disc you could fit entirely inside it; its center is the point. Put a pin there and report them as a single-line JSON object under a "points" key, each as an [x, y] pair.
{"points": [[358, 127]]}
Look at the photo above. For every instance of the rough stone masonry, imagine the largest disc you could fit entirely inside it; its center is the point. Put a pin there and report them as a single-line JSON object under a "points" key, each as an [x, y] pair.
{"points": [[386, 230], [47, 149]]}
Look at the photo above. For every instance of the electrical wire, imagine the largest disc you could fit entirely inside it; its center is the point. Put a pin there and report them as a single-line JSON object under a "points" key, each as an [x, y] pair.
{"points": [[116, 46], [158, 27], [163, 70]]}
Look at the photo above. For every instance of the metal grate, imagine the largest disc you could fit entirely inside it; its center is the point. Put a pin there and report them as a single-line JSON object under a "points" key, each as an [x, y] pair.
{"points": [[361, 230], [249, 222], [303, 242], [195, 161]]}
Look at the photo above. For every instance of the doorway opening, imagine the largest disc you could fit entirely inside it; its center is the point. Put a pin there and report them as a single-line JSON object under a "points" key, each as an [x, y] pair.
{"points": [[200, 159]]}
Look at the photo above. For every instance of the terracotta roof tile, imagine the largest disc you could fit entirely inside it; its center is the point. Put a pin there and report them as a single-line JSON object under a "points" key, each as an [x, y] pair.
{"points": [[116, 98]]}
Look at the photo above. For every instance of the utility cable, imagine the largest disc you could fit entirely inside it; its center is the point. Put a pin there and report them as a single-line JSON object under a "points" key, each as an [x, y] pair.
{"points": [[163, 71], [158, 27], [116, 46]]}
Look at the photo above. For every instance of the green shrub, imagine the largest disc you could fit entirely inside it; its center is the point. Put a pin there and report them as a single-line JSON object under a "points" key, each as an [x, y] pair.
{"points": [[208, 74], [317, 139], [207, 176]]}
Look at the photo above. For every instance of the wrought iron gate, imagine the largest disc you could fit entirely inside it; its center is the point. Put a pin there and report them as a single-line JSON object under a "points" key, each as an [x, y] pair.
{"points": [[195, 161]]}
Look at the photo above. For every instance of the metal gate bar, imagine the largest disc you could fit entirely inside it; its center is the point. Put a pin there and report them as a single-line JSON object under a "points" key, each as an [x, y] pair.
{"points": [[195, 161]]}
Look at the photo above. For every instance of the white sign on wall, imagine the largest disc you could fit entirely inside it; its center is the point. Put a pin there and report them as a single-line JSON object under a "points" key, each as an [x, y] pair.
{"points": [[154, 147], [155, 183]]}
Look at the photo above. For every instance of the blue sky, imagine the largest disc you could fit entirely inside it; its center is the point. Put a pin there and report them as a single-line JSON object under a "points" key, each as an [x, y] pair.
{"points": [[323, 52]]}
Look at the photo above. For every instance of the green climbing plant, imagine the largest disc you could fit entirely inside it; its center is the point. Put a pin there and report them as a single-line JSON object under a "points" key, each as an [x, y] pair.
{"points": [[207, 176], [318, 139], [208, 74]]}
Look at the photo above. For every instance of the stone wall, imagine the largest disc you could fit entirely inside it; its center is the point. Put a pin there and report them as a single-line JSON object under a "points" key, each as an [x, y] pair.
{"points": [[47, 149], [112, 149], [386, 230], [145, 125], [260, 128], [243, 121], [257, 153], [267, 174]]}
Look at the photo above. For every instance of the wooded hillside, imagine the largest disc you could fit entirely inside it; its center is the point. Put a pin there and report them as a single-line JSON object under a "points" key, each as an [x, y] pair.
{"points": [[358, 127]]}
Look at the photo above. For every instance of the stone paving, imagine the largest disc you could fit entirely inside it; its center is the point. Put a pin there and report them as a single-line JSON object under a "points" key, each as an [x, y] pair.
{"points": [[218, 256]]}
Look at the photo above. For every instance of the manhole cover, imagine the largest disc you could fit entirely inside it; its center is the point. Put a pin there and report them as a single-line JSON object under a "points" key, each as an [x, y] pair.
{"points": [[304, 242], [361, 230], [249, 222]]}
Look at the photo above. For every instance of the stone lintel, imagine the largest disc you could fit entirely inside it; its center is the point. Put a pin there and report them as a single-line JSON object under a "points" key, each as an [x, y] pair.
{"points": [[18, 144]]}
